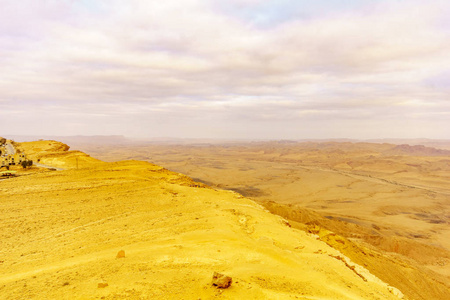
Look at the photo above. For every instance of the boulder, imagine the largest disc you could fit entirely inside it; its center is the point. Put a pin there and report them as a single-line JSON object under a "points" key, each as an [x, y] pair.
{"points": [[221, 281]]}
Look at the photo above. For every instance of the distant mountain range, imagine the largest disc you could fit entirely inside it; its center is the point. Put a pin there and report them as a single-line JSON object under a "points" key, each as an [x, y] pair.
{"points": [[417, 150], [122, 140]]}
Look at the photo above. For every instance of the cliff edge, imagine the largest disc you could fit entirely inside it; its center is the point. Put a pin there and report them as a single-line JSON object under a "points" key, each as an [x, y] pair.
{"points": [[134, 230]]}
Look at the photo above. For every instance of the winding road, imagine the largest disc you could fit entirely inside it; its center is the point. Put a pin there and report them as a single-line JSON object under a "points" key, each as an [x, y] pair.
{"points": [[48, 167]]}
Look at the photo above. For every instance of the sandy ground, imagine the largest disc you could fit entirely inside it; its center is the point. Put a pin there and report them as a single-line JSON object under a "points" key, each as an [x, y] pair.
{"points": [[393, 200], [61, 231]]}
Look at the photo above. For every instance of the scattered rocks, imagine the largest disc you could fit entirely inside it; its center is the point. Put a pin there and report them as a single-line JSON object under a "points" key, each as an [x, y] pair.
{"points": [[102, 285], [121, 254], [221, 281]]}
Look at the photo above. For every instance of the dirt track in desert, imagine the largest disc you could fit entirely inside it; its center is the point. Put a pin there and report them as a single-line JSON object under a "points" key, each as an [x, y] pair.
{"points": [[390, 200]]}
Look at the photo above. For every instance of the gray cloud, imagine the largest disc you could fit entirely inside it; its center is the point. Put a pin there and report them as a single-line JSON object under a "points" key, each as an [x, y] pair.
{"points": [[157, 68]]}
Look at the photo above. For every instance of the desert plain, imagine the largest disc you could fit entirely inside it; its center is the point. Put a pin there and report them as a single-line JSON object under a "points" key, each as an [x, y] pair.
{"points": [[285, 220]]}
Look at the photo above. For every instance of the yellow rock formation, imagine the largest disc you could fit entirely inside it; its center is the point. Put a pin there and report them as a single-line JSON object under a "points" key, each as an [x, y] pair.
{"points": [[56, 154]]}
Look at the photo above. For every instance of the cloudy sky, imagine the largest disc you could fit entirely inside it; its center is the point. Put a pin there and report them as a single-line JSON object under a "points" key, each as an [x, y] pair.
{"points": [[275, 69]]}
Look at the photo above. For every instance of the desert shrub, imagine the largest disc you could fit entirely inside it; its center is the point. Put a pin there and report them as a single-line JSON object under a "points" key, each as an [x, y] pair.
{"points": [[26, 163]]}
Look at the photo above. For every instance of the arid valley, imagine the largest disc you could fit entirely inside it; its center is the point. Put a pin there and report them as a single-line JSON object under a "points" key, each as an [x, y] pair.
{"points": [[391, 200], [285, 220]]}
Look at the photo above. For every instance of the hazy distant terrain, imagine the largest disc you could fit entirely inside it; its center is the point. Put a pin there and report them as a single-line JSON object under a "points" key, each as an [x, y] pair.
{"points": [[395, 198]]}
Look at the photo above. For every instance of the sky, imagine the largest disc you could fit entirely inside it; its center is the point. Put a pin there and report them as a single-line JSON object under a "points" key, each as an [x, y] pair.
{"points": [[244, 69]]}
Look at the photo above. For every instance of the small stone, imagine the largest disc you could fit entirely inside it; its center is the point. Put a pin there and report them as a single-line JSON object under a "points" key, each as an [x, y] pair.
{"points": [[221, 281], [121, 254], [102, 285]]}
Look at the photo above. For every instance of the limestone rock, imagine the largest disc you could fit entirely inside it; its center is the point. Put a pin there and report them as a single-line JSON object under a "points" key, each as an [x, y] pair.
{"points": [[221, 281]]}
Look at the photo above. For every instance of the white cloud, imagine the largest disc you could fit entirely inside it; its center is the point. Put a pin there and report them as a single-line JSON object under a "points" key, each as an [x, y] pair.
{"points": [[193, 60]]}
